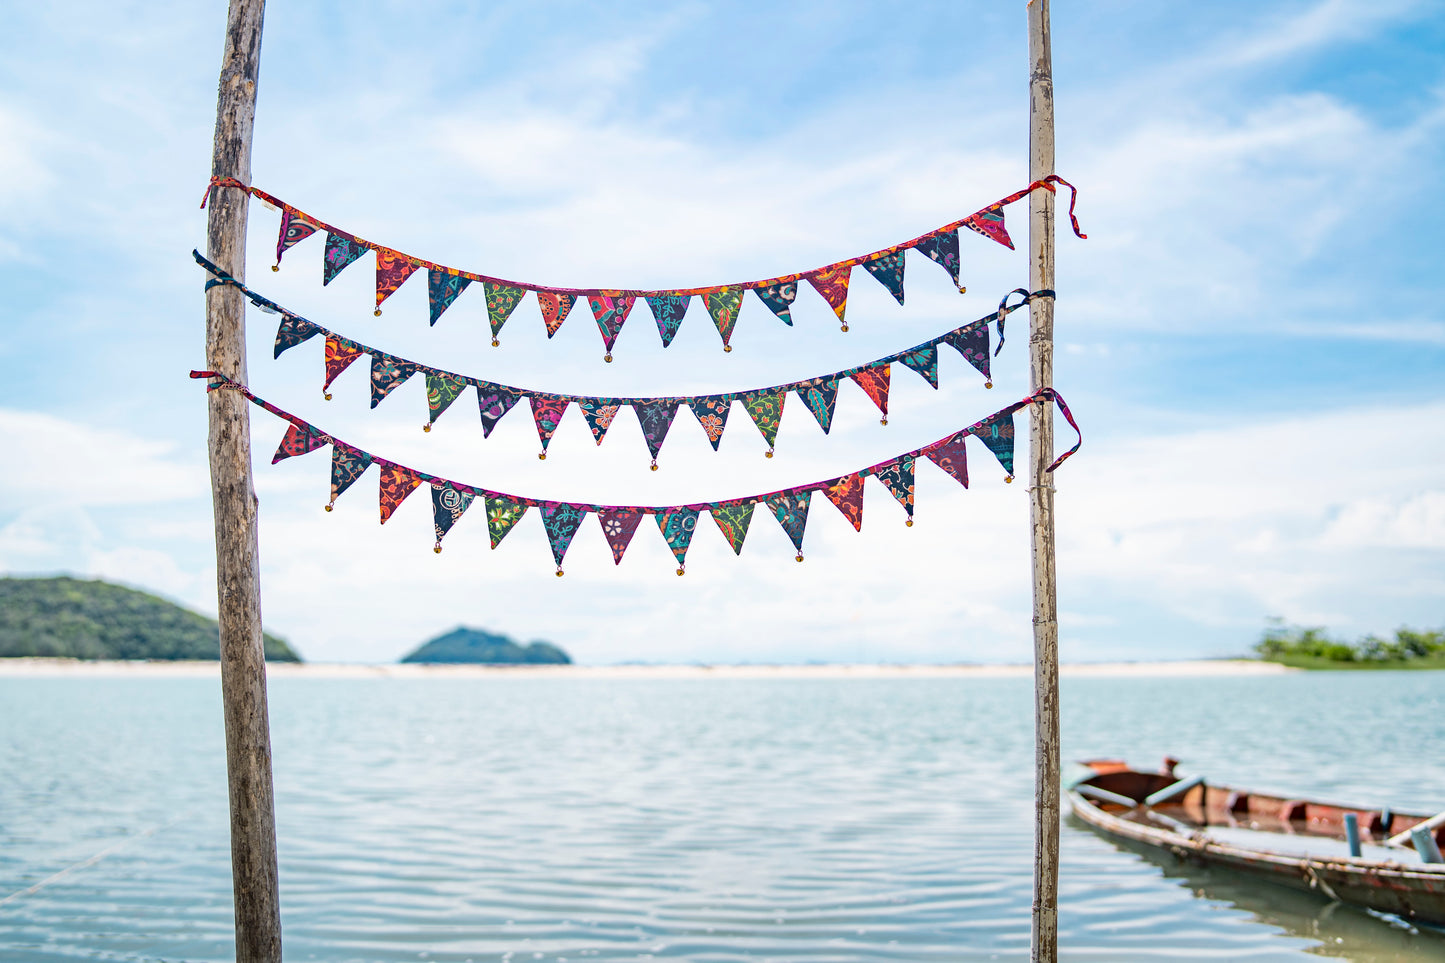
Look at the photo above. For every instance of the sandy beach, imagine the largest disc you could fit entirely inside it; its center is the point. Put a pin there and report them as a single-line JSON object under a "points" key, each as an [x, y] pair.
{"points": [[67, 668]]}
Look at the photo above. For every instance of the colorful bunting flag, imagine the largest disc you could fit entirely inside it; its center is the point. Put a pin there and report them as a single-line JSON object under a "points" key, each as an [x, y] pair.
{"points": [[392, 270], [712, 414], [610, 311], [847, 494], [832, 283], [733, 520], [502, 515], [341, 250], [722, 305], [972, 343], [502, 300], [493, 402], [347, 465], [766, 411], [339, 355], [924, 360], [897, 477], [951, 456], [396, 483], [294, 229], [779, 298], [874, 382], [598, 416], [791, 511], [820, 397], [943, 248], [299, 440], [888, 269], [990, 224], [441, 390], [618, 527], [667, 310], [547, 413], [997, 433], [442, 288], [655, 417], [677, 526], [292, 331], [555, 308], [448, 504], [561, 520], [386, 373]]}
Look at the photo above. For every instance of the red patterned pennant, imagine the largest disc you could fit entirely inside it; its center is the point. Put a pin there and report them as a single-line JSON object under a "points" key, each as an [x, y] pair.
{"points": [[396, 483], [847, 494], [555, 308], [339, 355], [832, 284], [392, 270], [951, 457], [298, 441], [874, 382], [990, 224]]}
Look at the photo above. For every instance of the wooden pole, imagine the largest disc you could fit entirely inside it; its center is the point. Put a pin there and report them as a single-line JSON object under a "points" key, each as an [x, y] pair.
{"points": [[1045, 928], [243, 664]]}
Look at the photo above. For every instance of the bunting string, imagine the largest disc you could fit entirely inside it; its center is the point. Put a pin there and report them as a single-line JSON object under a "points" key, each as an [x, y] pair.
{"points": [[677, 523], [655, 414], [611, 307]]}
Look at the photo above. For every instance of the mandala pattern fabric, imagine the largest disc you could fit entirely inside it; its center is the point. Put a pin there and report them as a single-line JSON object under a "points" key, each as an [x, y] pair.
{"points": [[847, 494], [733, 521], [442, 288], [997, 433], [599, 416], [874, 382], [291, 332], [347, 465], [972, 343], [502, 515], [677, 526], [820, 399], [340, 251], [925, 362], [990, 224], [655, 417], [502, 300], [339, 355], [493, 404], [618, 527], [386, 374], [943, 248], [897, 477], [779, 298], [561, 520], [547, 413], [951, 456], [294, 230], [888, 269], [396, 483], [392, 270], [722, 306], [448, 503], [791, 511], [441, 391], [555, 308], [832, 284], [712, 415], [766, 411], [610, 311], [299, 440], [668, 310]]}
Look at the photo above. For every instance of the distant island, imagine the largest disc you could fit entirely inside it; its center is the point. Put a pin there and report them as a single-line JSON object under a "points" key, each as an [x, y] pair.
{"points": [[78, 619], [476, 645], [1311, 648]]}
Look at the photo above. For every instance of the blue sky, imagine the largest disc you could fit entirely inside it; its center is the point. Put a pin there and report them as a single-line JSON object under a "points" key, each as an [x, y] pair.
{"points": [[1251, 337]]}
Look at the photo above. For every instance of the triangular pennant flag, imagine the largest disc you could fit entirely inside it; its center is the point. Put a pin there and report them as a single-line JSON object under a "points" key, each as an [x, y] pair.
{"points": [[502, 515], [555, 308], [677, 526], [925, 361], [874, 382], [547, 413], [291, 332], [561, 521], [599, 416], [441, 390], [396, 483], [733, 520], [294, 230], [392, 270], [997, 433], [820, 397], [502, 300], [347, 465], [712, 414], [655, 417], [493, 403], [942, 248], [339, 355], [447, 504], [990, 224], [832, 283], [791, 511], [847, 494], [668, 310], [950, 455], [779, 298], [723, 306], [766, 411], [298, 441], [610, 311], [972, 343], [897, 476], [386, 373], [888, 269], [341, 250], [618, 527], [442, 288]]}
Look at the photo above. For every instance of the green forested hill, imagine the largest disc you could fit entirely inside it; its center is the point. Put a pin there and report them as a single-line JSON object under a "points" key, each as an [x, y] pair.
{"points": [[61, 617], [478, 645]]}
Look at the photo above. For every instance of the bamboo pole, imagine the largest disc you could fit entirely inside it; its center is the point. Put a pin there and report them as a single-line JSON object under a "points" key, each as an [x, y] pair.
{"points": [[1044, 935], [243, 665]]}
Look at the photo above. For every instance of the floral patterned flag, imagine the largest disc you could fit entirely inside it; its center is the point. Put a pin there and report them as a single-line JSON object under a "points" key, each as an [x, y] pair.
{"points": [[618, 527], [298, 441], [733, 520], [598, 415], [722, 305], [442, 288], [925, 362], [555, 308], [942, 248], [396, 483], [847, 494], [547, 413], [339, 355], [997, 433], [712, 414], [677, 526], [791, 511], [972, 343], [493, 403], [392, 270], [448, 502], [341, 250], [441, 390], [655, 417], [386, 373], [561, 521], [766, 411], [294, 230], [832, 283], [502, 300], [347, 465], [668, 310], [291, 332], [874, 382], [950, 455], [990, 224], [502, 515], [888, 269], [610, 311], [820, 397], [779, 298], [897, 477]]}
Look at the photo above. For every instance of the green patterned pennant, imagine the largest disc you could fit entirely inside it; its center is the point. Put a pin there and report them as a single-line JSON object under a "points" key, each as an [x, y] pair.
{"points": [[723, 307], [502, 514], [502, 300], [732, 521], [441, 390], [766, 411]]}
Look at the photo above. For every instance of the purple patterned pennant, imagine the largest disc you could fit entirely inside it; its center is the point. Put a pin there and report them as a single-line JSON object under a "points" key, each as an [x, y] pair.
{"points": [[847, 494], [386, 373], [779, 298], [832, 283], [897, 477], [677, 526], [347, 465], [733, 520], [668, 310], [997, 434], [888, 269], [618, 527], [341, 250], [547, 413], [441, 390], [791, 511], [972, 343], [723, 306], [294, 230], [925, 362], [502, 515], [950, 455], [448, 502], [442, 288], [655, 417], [610, 311], [942, 248], [299, 441], [712, 414], [820, 397], [493, 403], [561, 521], [291, 332], [599, 416]]}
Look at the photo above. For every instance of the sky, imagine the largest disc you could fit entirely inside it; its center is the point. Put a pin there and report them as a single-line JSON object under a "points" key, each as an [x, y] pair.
{"points": [[1251, 337]]}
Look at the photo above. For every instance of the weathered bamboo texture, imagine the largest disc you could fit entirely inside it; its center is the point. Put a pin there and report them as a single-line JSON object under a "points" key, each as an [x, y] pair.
{"points": [[1045, 929], [243, 666]]}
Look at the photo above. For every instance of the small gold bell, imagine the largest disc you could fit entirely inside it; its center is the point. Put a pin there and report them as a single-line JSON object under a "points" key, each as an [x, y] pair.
{"points": [[330, 505], [1008, 479], [496, 343], [377, 312], [800, 556], [542, 456], [437, 548], [909, 523], [883, 420], [607, 357], [768, 453], [326, 395], [426, 427], [844, 327], [654, 464], [275, 267], [988, 384], [559, 571], [727, 347], [680, 570]]}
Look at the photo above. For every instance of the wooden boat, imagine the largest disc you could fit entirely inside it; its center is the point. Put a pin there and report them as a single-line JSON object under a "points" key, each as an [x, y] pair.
{"points": [[1294, 842]]}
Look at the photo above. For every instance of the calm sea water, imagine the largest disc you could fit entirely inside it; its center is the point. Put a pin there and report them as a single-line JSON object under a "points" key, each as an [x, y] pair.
{"points": [[710, 820]]}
